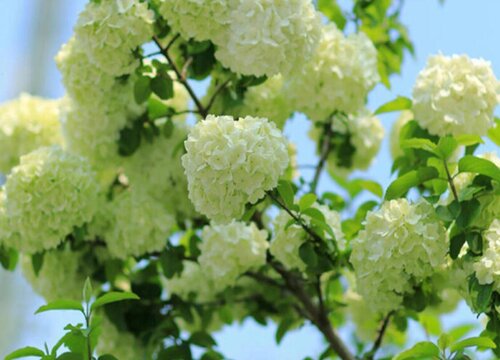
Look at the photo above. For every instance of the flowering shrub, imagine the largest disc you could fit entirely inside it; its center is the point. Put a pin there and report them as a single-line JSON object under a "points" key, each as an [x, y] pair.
{"points": [[163, 183]]}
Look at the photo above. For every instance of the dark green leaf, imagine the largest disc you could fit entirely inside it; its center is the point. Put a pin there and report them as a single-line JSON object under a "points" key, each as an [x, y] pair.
{"points": [[400, 103], [163, 86], [202, 339], [171, 263], [469, 211], [168, 128], [8, 258], [37, 262], [112, 297], [308, 254], [142, 89], [456, 244], [61, 305]]}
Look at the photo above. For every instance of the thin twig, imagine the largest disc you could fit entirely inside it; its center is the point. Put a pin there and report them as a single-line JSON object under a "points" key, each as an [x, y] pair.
{"points": [[380, 336], [184, 82], [326, 147], [217, 93], [450, 180]]}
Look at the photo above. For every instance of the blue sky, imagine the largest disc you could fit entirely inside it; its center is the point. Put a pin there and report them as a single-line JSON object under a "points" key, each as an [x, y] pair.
{"points": [[458, 26]]}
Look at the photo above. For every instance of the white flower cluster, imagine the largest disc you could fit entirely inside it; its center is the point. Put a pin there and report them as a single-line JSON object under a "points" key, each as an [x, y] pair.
{"points": [[338, 78], [267, 100], [230, 163], [138, 224], [60, 277], [121, 344], [199, 19], [456, 95], [488, 267], [227, 251], [402, 244], [26, 124], [268, 37], [365, 133], [46, 196], [109, 32], [157, 169], [287, 241], [193, 281]]}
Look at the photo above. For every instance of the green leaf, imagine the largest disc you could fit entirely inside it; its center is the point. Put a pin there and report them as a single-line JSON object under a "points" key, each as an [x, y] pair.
{"points": [[171, 263], [87, 290], [163, 86], [8, 258], [456, 244], [308, 254], [283, 328], [477, 165], [107, 357], [70, 356], [424, 349], [25, 352], [494, 132], [286, 192], [332, 11], [37, 262], [398, 104], [480, 295], [61, 305], [400, 186], [479, 341], [468, 140], [460, 331], [421, 144], [446, 146], [314, 214], [168, 128], [113, 297], [307, 201], [142, 89], [372, 186], [469, 211], [202, 339]]}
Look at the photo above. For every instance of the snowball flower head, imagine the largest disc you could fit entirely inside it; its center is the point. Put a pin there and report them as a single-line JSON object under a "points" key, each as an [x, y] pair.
{"points": [[339, 76], [456, 95], [488, 267], [230, 163], [60, 277], [268, 37], [402, 243], [199, 19], [287, 241], [227, 251], [46, 196], [109, 31], [137, 224], [192, 281], [27, 123]]}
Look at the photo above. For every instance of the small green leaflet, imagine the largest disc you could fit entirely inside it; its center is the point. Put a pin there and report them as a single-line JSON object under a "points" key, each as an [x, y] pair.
{"points": [[25, 352], [424, 349], [61, 305], [398, 104], [477, 165], [401, 185], [112, 297], [479, 341]]}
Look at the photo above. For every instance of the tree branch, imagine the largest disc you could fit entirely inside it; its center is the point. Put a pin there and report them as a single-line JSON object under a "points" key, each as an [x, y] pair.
{"points": [[326, 147], [450, 181], [314, 314], [378, 341], [217, 93], [178, 73]]}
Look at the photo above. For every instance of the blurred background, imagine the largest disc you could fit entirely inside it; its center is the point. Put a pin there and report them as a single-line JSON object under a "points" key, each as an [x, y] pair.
{"points": [[32, 31]]}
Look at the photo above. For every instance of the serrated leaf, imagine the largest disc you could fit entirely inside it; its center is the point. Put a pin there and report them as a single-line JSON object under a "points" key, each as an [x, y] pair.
{"points": [[61, 305], [307, 201], [398, 104], [401, 185], [477, 165], [113, 297], [479, 341], [25, 352], [419, 350]]}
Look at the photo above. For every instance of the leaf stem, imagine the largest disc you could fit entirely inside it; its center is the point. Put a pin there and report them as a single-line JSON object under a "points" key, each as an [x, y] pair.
{"points": [[450, 181]]}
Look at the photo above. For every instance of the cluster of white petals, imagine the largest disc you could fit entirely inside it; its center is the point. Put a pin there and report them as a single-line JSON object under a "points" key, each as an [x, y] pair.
{"points": [[488, 267], [192, 283], [138, 224], [27, 123], [402, 244], [456, 95], [46, 196], [60, 277], [338, 77], [109, 31], [122, 344], [287, 241], [395, 140], [268, 37], [227, 251], [157, 169], [230, 163], [199, 19]]}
